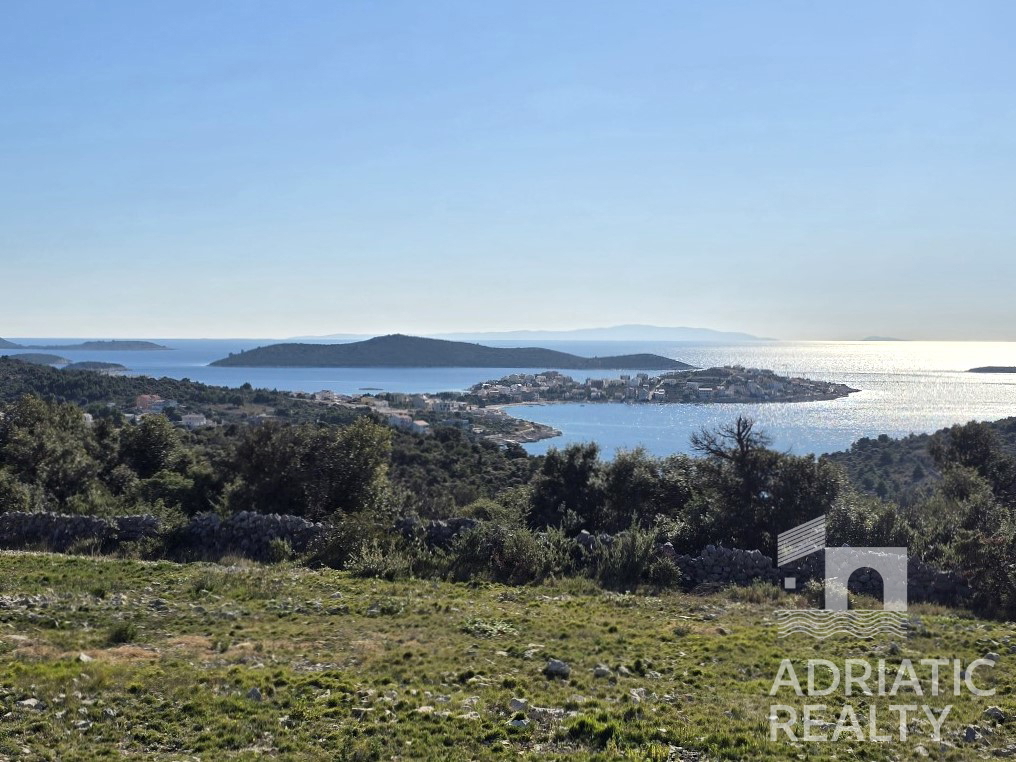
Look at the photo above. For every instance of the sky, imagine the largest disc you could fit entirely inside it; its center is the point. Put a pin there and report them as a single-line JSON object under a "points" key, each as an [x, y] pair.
{"points": [[793, 169]]}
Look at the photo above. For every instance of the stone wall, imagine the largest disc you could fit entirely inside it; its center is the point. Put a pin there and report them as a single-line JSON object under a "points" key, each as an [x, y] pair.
{"points": [[725, 566], [207, 535], [60, 532], [246, 533]]}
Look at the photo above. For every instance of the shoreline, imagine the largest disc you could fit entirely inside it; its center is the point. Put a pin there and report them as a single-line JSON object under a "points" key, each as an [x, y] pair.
{"points": [[538, 432]]}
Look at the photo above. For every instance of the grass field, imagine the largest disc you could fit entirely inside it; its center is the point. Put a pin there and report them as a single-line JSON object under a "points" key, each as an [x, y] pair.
{"points": [[103, 658]]}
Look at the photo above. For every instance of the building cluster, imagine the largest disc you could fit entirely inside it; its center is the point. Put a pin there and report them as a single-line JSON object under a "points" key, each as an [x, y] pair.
{"points": [[152, 403], [420, 412], [727, 384]]}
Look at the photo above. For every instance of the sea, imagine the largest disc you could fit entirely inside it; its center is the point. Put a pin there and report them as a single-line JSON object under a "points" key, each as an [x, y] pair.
{"points": [[905, 387]]}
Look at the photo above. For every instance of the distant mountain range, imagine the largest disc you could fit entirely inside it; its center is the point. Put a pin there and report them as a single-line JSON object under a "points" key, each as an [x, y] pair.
{"points": [[398, 351], [612, 333], [107, 346]]}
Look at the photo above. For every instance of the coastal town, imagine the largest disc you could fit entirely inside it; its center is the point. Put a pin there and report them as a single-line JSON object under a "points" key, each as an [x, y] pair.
{"points": [[714, 385], [421, 413], [480, 412]]}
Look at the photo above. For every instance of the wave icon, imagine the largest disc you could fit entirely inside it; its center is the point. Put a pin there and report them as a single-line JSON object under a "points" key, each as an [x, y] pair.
{"points": [[823, 623]]}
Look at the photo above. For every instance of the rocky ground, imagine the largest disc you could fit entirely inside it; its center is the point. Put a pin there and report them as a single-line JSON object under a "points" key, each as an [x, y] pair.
{"points": [[103, 658]]}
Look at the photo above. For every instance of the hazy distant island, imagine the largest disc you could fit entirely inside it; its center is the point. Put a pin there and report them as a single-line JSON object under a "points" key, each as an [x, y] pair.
{"points": [[399, 351], [38, 358], [882, 338], [113, 345], [994, 369], [634, 332]]}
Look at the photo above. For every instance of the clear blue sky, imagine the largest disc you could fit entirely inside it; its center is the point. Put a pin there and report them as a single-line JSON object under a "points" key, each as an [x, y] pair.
{"points": [[794, 169]]}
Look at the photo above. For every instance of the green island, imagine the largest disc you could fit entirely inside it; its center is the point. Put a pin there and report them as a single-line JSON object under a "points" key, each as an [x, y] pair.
{"points": [[401, 351]]}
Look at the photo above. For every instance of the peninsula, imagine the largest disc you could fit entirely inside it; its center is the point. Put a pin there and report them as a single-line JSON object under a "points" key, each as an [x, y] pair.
{"points": [[399, 351], [727, 384], [994, 369]]}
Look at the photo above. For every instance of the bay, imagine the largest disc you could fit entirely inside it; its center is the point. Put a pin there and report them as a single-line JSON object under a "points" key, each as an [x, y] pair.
{"points": [[906, 387]]}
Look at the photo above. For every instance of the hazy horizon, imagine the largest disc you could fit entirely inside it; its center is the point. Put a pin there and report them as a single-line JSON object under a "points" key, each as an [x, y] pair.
{"points": [[797, 170], [440, 334]]}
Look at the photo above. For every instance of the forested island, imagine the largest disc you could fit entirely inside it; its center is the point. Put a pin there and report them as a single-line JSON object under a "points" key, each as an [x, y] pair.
{"points": [[399, 351], [994, 369]]}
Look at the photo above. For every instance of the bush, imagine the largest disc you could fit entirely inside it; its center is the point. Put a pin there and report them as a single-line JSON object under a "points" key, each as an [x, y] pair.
{"points": [[123, 632], [664, 573], [622, 563], [336, 547], [376, 560], [488, 551], [509, 513], [279, 550]]}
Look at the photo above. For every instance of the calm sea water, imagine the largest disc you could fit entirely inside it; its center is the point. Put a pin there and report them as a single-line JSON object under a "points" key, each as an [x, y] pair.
{"points": [[906, 387]]}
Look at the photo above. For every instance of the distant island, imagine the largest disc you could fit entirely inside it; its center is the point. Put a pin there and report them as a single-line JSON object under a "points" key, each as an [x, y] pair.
{"points": [[113, 345], [101, 367], [882, 338], [399, 351], [994, 369], [633, 332], [37, 358]]}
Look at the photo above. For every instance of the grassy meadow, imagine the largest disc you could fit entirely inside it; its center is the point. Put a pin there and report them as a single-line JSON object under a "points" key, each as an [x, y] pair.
{"points": [[105, 659]]}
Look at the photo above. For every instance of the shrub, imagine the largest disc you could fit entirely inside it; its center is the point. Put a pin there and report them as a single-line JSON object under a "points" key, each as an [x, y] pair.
{"points": [[663, 572], [279, 550], [564, 555], [122, 632], [506, 514], [488, 551], [377, 560], [336, 547], [623, 562]]}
